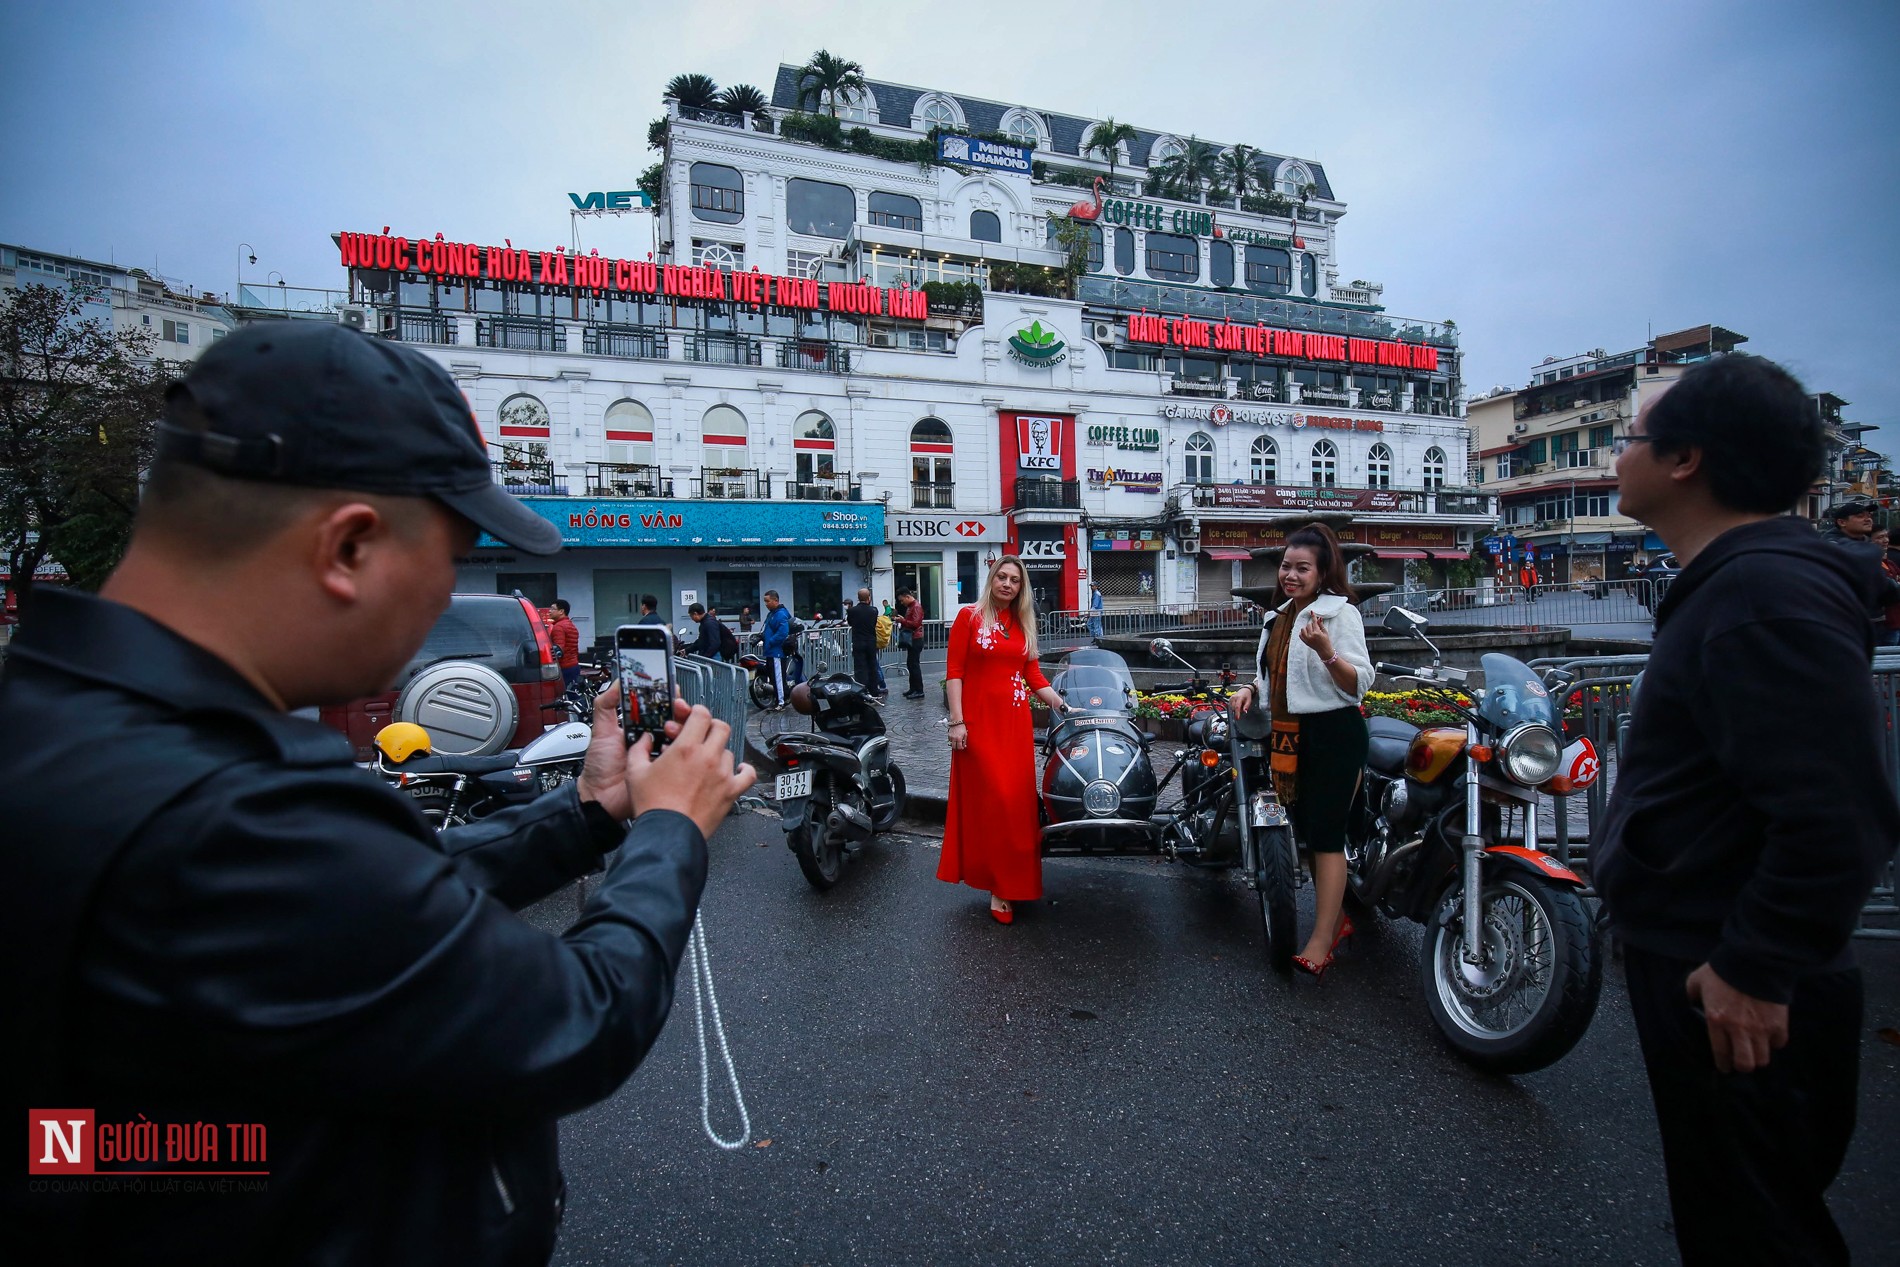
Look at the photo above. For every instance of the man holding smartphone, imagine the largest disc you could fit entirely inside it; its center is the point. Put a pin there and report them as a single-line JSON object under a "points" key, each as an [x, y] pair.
{"points": [[249, 929]]}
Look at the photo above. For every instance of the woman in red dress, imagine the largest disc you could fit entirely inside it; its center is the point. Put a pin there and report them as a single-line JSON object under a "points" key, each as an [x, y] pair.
{"points": [[991, 832]]}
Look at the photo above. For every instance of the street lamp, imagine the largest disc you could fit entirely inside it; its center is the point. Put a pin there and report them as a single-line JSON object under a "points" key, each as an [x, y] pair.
{"points": [[245, 252]]}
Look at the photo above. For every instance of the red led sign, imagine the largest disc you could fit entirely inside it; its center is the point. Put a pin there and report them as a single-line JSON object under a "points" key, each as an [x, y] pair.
{"points": [[1260, 340], [641, 277]]}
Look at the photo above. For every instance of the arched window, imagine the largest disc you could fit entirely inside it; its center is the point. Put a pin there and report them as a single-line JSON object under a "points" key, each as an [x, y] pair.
{"points": [[1173, 257], [1379, 467], [931, 484], [718, 193], [897, 211], [716, 255], [1269, 270], [1093, 232], [1434, 468], [629, 427], [522, 417], [1220, 268], [1200, 459], [1292, 179], [814, 447], [1023, 128], [723, 435], [1124, 251], [857, 107], [985, 227], [1264, 461], [1164, 149], [820, 208], [939, 112], [1309, 276], [1325, 465]]}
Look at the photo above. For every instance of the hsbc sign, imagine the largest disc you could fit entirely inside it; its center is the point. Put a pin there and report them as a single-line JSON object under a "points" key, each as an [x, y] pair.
{"points": [[957, 529]]}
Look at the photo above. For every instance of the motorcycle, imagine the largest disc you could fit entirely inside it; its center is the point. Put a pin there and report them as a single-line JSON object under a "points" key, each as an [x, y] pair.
{"points": [[1511, 968], [839, 787], [452, 791], [1100, 796]]}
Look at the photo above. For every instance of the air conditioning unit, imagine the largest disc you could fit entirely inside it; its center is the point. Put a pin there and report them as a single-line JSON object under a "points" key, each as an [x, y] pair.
{"points": [[354, 317], [1104, 331], [1521, 428], [1190, 545]]}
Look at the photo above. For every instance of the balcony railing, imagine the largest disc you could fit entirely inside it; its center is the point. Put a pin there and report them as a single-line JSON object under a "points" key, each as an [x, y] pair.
{"points": [[1434, 406], [832, 487], [619, 479], [1466, 503], [527, 477], [933, 496], [1040, 494], [719, 118], [531, 336], [731, 483], [722, 349], [424, 327], [644, 342], [826, 358]]}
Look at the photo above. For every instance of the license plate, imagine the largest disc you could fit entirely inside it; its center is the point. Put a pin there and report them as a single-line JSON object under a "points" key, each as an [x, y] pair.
{"points": [[794, 785]]}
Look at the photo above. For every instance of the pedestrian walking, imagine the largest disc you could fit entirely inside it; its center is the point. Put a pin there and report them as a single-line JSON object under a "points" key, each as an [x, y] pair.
{"points": [[650, 611], [777, 638], [862, 616], [1312, 669], [745, 619], [565, 636], [1095, 612], [991, 835], [910, 636], [1851, 527], [707, 626], [1734, 868], [250, 929]]}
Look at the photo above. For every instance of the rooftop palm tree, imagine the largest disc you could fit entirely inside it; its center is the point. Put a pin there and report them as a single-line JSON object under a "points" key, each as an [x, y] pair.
{"points": [[742, 99], [1106, 138], [826, 81], [1238, 170], [695, 92], [1195, 168]]}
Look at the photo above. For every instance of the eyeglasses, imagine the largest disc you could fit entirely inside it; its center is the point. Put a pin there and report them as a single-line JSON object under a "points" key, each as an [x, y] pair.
{"points": [[1623, 444]]}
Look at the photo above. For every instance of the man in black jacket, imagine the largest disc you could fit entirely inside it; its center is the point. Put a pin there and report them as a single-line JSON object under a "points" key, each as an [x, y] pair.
{"points": [[215, 925], [1736, 856], [862, 617]]}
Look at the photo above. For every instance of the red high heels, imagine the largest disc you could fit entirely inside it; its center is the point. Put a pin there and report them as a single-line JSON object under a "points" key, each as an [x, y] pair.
{"points": [[1318, 970], [1002, 916]]}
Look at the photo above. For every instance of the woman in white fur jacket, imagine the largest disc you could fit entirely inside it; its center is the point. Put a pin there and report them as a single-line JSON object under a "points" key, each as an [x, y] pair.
{"points": [[1312, 683]]}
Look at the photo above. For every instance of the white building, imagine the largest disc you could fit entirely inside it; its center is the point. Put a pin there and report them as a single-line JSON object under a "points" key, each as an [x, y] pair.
{"points": [[182, 325], [771, 403]]}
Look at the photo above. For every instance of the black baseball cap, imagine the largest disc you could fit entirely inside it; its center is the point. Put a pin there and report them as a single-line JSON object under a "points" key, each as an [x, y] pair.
{"points": [[316, 404], [1852, 506]]}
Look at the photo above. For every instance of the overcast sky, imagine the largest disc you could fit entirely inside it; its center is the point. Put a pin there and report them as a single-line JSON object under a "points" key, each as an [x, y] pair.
{"points": [[1555, 177]]}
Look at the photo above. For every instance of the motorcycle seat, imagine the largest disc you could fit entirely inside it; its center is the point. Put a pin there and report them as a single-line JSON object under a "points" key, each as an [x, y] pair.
{"points": [[1390, 740], [449, 764], [816, 738]]}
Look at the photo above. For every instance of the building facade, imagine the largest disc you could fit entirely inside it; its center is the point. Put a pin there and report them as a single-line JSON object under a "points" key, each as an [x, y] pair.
{"points": [[882, 351], [181, 324]]}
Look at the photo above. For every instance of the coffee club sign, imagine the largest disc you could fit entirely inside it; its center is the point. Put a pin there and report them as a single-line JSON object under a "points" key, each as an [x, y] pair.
{"points": [[1188, 221], [1127, 439], [602, 275], [1262, 340]]}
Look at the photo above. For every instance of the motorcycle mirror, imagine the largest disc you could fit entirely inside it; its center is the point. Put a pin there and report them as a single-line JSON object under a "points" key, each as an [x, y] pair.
{"points": [[1160, 646], [1409, 624]]}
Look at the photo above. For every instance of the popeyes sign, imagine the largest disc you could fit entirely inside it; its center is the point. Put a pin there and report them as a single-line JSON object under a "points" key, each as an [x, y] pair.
{"points": [[600, 274], [1261, 340]]}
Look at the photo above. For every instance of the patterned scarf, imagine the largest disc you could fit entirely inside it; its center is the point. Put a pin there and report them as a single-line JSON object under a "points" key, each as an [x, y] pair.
{"points": [[1284, 748]]}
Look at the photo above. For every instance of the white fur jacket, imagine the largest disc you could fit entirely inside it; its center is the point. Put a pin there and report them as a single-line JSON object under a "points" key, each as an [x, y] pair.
{"points": [[1309, 684]]}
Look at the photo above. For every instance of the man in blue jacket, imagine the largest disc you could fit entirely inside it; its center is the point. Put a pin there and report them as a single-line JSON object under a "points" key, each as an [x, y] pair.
{"points": [[1737, 854], [778, 636], [249, 929]]}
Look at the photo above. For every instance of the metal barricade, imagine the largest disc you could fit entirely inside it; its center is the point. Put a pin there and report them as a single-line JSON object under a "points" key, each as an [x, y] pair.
{"points": [[826, 648], [722, 688], [1628, 604]]}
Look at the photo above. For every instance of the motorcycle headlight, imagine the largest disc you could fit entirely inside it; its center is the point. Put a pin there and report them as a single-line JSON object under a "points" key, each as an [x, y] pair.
{"points": [[1101, 798], [1531, 754]]}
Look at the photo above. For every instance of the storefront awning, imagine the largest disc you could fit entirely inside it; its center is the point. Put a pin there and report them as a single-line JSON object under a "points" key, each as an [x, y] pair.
{"points": [[1425, 554], [1227, 554]]}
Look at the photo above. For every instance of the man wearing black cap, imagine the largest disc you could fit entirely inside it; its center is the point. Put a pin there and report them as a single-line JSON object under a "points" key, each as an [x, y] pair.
{"points": [[1851, 526], [213, 921]]}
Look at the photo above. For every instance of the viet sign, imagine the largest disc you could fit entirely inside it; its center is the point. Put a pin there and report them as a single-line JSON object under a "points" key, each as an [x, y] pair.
{"points": [[1262, 340], [612, 200], [952, 148], [1038, 443], [1277, 497]]}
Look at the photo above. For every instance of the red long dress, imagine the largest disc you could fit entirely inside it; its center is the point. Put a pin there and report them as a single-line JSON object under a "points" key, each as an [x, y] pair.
{"points": [[991, 831]]}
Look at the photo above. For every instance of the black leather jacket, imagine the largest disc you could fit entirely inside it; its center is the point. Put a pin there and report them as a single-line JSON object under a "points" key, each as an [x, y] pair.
{"points": [[210, 914]]}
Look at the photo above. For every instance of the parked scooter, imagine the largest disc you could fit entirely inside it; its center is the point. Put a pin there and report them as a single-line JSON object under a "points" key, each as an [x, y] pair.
{"points": [[451, 791], [840, 786], [1444, 832]]}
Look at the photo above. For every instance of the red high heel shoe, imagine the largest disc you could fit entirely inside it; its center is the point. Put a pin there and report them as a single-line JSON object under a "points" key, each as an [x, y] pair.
{"points": [[1318, 970], [1003, 916]]}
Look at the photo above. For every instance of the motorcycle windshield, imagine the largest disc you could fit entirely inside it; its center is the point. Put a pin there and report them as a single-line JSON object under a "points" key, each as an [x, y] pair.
{"points": [[1093, 689], [1513, 694]]}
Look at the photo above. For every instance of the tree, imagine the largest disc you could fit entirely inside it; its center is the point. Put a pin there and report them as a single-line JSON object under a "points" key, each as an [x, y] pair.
{"points": [[1194, 168], [694, 92], [1106, 138], [826, 80], [1239, 170], [742, 99], [79, 407]]}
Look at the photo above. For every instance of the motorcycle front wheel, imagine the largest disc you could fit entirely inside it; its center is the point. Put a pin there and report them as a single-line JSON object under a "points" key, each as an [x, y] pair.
{"points": [[819, 852], [888, 819], [764, 694], [1275, 880], [1526, 1005]]}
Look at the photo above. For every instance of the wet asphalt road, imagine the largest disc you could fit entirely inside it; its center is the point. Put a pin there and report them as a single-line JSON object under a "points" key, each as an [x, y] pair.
{"points": [[1117, 1079]]}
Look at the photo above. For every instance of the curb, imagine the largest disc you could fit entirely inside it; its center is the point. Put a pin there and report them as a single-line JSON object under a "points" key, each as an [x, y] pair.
{"points": [[921, 809]]}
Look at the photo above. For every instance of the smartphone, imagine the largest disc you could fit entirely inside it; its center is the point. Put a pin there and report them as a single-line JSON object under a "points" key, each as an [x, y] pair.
{"points": [[644, 655]]}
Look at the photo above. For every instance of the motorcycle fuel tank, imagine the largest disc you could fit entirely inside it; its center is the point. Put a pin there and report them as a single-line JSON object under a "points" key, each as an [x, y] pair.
{"points": [[1097, 769]]}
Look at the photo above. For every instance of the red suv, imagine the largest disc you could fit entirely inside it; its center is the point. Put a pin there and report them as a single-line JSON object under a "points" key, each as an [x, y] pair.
{"points": [[450, 686]]}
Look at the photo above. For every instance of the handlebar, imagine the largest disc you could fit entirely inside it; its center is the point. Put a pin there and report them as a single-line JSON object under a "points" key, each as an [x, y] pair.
{"points": [[1191, 688]]}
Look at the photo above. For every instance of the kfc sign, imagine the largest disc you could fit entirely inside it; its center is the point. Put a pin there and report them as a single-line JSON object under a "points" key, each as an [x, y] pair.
{"points": [[1039, 443]]}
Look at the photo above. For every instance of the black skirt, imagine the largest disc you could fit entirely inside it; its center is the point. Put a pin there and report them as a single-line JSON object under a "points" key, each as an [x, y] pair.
{"points": [[1332, 759]]}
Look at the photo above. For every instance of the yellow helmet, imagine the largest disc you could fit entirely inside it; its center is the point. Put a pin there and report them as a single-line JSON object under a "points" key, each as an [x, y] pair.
{"points": [[402, 740]]}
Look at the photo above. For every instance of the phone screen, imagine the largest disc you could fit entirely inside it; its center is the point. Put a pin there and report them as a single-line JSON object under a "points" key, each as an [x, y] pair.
{"points": [[644, 655]]}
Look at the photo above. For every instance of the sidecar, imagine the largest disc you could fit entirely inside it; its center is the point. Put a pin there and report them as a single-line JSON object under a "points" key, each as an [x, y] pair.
{"points": [[1098, 784]]}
